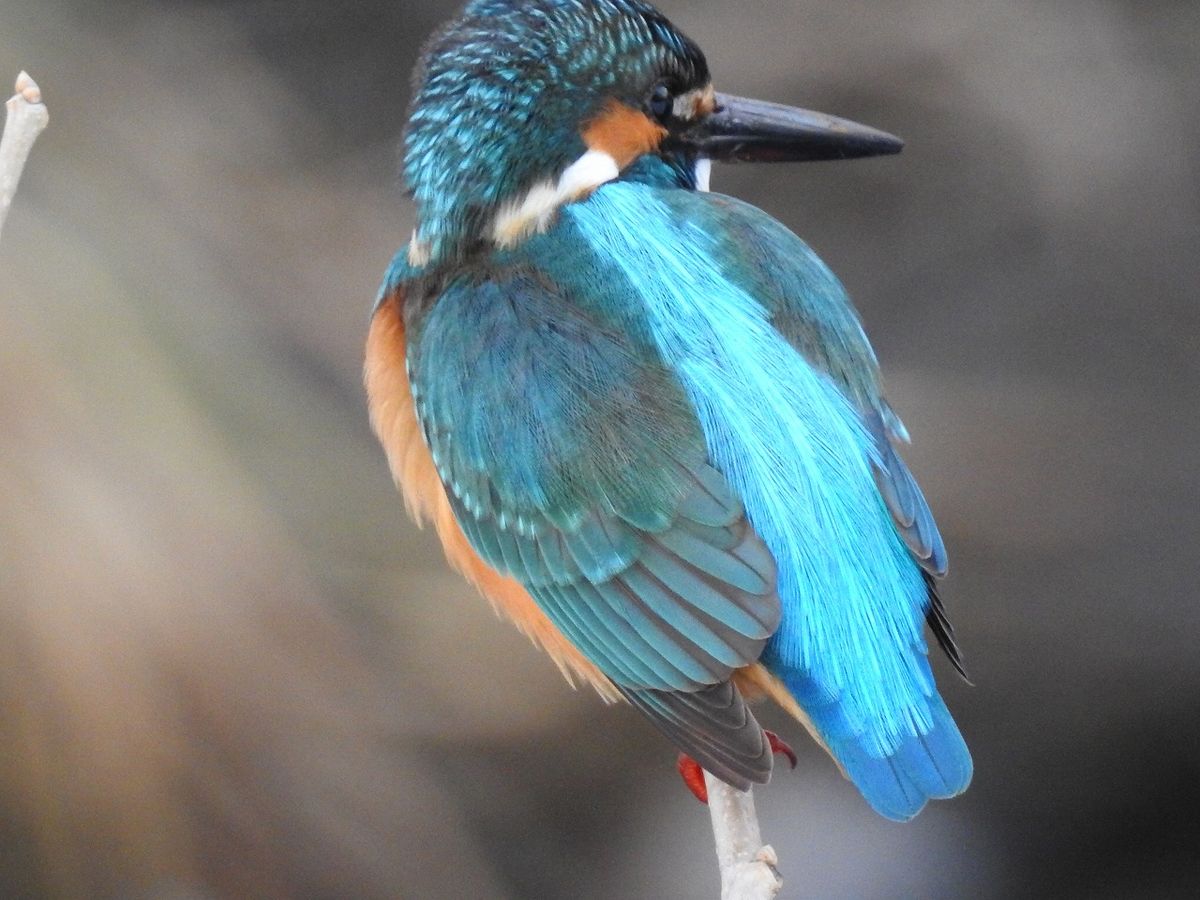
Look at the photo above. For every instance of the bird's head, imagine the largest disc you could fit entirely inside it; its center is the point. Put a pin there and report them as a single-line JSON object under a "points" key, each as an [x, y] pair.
{"points": [[522, 106]]}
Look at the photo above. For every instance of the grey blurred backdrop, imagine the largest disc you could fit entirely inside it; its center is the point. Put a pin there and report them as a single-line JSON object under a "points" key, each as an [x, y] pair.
{"points": [[229, 667]]}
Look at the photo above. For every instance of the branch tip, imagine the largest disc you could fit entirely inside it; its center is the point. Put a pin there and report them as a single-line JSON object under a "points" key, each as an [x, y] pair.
{"points": [[25, 118], [27, 88]]}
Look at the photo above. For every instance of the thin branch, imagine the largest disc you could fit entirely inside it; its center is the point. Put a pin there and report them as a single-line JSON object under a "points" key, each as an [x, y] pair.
{"points": [[26, 118], [747, 865]]}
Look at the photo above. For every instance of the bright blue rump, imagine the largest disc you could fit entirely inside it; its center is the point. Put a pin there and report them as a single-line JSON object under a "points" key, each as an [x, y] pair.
{"points": [[932, 765]]}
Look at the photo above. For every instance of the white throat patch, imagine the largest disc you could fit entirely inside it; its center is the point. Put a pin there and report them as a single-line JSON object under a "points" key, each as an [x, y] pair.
{"points": [[519, 218]]}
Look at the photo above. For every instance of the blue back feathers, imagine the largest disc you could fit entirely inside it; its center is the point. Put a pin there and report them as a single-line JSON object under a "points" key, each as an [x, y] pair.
{"points": [[797, 452], [785, 388]]}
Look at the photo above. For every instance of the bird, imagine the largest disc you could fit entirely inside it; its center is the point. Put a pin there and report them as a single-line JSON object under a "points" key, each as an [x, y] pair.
{"points": [[644, 417]]}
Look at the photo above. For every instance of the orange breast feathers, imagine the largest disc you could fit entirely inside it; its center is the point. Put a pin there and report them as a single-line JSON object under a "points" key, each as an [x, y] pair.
{"points": [[394, 419]]}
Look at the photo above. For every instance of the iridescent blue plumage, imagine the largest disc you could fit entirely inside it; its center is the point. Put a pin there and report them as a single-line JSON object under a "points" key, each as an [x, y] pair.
{"points": [[659, 412]]}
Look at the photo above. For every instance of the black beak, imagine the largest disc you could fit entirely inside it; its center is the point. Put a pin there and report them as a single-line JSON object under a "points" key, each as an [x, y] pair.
{"points": [[742, 130]]}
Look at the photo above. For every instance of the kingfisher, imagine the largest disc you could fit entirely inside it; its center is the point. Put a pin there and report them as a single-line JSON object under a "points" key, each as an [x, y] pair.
{"points": [[644, 418]]}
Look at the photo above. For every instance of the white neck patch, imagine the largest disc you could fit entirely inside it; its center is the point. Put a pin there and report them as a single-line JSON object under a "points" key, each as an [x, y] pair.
{"points": [[703, 174], [532, 213], [418, 252]]}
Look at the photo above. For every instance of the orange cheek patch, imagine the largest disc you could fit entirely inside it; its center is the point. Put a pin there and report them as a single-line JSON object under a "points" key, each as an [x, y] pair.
{"points": [[394, 418], [623, 132]]}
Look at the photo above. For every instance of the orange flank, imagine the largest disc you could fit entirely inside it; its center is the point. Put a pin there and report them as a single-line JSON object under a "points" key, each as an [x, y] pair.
{"points": [[623, 133], [395, 422]]}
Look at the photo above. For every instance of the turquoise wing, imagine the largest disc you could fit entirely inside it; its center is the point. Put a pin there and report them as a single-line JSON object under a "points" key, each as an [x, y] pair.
{"points": [[575, 463]]}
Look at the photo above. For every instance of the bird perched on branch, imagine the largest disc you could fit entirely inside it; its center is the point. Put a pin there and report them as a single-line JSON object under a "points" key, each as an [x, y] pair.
{"points": [[644, 418]]}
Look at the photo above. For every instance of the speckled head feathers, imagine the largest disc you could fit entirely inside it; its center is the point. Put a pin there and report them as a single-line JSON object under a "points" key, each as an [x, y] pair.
{"points": [[503, 92]]}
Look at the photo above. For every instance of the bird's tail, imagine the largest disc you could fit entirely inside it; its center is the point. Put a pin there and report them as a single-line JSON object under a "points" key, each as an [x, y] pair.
{"points": [[932, 765]]}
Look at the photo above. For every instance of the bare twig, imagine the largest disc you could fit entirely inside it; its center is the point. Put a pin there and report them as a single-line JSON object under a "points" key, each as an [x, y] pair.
{"points": [[747, 866], [26, 118]]}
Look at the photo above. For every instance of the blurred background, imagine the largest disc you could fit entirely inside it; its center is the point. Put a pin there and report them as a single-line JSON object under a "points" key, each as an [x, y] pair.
{"points": [[230, 667]]}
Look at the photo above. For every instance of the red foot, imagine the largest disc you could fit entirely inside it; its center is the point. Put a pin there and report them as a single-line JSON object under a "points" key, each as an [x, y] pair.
{"points": [[778, 745], [693, 775]]}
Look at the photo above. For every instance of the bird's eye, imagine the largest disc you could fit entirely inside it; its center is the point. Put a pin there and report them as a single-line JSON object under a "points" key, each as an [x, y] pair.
{"points": [[661, 102]]}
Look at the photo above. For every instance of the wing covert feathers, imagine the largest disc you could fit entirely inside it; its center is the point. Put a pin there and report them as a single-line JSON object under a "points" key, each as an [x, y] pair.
{"points": [[904, 500], [914, 521], [394, 420]]}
